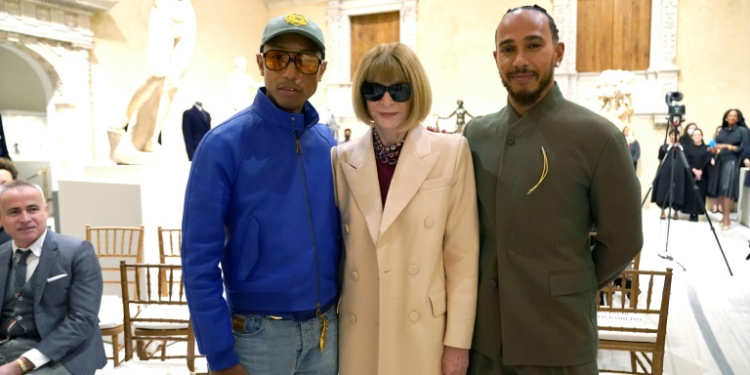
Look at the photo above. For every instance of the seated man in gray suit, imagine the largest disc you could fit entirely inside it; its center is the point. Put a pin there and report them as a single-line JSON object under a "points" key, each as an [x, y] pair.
{"points": [[50, 290]]}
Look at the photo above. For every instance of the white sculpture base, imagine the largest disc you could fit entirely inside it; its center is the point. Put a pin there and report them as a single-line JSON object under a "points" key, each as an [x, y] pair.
{"points": [[123, 151]]}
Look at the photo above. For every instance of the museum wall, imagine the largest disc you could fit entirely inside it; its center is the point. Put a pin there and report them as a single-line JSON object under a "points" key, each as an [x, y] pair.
{"points": [[455, 47], [120, 63]]}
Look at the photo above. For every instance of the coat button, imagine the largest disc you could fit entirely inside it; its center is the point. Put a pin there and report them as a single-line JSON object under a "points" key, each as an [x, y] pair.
{"points": [[346, 228], [510, 140], [413, 270], [413, 316], [292, 118], [493, 284], [352, 318], [355, 276], [429, 222]]}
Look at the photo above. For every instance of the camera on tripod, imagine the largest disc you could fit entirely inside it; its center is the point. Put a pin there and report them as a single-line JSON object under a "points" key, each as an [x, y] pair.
{"points": [[676, 111]]}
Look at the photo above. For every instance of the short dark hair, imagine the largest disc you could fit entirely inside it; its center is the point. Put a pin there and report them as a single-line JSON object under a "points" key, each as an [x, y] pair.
{"points": [[7, 164], [551, 21]]}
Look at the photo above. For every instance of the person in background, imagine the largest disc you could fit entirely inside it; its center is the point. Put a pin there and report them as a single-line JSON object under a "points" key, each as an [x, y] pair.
{"points": [[687, 135], [635, 147], [732, 141], [50, 290], [347, 135], [698, 156], [669, 183], [8, 173], [713, 200]]}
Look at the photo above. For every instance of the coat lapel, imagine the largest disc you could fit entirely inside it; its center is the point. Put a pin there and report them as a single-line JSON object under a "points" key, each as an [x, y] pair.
{"points": [[414, 164], [5, 254], [362, 177], [49, 255]]}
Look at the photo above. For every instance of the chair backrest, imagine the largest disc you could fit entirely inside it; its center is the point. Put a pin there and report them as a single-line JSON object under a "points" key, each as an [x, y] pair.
{"points": [[150, 291], [644, 319], [113, 244], [170, 243]]}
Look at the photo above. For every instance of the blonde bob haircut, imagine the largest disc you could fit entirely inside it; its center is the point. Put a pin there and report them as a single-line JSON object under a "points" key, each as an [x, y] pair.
{"points": [[391, 63]]}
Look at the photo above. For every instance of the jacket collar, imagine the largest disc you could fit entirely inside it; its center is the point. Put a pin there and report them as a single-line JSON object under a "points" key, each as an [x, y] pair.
{"points": [[414, 165], [537, 115], [287, 120]]}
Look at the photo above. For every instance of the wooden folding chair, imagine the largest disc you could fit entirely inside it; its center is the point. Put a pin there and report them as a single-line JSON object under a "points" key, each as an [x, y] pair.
{"points": [[113, 244], [638, 324], [161, 311], [170, 242]]}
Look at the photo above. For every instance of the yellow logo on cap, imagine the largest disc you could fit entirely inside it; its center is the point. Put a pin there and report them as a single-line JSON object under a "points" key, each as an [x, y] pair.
{"points": [[296, 19]]}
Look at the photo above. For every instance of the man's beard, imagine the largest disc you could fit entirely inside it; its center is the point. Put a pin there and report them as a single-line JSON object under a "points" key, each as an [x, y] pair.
{"points": [[525, 97]]}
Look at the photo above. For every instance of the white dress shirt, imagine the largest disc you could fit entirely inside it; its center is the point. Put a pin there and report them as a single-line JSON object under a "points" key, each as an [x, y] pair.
{"points": [[34, 356]]}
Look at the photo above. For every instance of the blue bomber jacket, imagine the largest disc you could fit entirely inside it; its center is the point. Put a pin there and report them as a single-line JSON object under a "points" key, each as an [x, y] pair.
{"points": [[260, 202]]}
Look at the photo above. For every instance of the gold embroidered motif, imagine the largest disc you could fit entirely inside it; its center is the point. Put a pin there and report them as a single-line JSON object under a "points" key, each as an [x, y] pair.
{"points": [[296, 19], [545, 169]]}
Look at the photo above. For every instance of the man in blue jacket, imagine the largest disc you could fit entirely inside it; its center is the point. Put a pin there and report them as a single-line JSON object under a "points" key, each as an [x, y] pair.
{"points": [[260, 202]]}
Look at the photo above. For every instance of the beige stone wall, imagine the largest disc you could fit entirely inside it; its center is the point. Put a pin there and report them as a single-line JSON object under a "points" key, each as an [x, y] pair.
{"points": [[120, 62], [455, 46]]}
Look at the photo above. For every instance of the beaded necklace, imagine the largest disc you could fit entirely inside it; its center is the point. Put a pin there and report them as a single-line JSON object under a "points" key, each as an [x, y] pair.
{"points": [[386, 154]]}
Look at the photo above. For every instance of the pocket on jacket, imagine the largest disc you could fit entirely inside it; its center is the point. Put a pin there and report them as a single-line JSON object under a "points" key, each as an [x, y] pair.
{"points": [[437, 300], [572, 282], [436, 183], [244, 249]]}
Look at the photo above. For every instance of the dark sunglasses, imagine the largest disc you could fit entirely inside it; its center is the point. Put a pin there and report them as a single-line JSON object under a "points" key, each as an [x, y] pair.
{"points": [[278, 60], [373, 92]]}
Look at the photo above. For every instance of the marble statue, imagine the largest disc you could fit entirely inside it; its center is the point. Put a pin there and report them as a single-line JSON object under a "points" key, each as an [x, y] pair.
{"points": [[614, 90], [171, 42], [241, 88]]}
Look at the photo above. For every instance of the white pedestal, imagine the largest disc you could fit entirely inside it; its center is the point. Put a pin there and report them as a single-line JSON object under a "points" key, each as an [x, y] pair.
{"points": [[125, 195], [743, 202]]}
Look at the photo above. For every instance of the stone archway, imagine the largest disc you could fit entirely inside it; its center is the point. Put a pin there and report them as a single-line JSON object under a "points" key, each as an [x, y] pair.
{"points": [[57, 35]]}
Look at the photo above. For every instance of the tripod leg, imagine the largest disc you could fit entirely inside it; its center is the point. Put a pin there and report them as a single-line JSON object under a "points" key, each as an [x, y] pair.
{"points": [[702, 205]]}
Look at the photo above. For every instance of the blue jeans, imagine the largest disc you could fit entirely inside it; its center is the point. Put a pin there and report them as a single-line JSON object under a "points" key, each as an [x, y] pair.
{"points": [[286, 347]]}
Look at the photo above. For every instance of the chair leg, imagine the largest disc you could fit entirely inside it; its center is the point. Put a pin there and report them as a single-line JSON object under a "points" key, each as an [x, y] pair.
{"points": [[657, 367], [115, 350], [191, 349], [633, 364], [163, 351], [141, 349]]}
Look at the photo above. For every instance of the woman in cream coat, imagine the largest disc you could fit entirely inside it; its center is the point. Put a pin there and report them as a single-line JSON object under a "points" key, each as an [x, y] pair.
{"points": [[410, 227]]}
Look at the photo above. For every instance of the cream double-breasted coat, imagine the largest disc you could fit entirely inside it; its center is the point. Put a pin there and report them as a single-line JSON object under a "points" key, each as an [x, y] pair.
{"points": [[410, 273]]}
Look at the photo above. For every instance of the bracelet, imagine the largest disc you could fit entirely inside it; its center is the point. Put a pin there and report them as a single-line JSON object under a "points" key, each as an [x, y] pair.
{"points": [[23, 365]]}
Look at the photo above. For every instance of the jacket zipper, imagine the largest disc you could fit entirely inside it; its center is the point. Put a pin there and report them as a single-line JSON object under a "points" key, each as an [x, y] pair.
{"points": [[309, 217]]}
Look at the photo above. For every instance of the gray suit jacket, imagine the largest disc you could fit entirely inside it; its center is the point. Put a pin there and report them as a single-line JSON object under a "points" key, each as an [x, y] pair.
{"points": [[66, 309]]}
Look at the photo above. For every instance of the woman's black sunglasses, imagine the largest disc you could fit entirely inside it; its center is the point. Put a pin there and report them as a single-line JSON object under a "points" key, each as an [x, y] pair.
{"points": [[373, 92]]}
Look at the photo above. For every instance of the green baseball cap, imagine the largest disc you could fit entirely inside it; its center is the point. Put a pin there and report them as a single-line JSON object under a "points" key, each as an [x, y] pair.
{"points": [[293, 23]]}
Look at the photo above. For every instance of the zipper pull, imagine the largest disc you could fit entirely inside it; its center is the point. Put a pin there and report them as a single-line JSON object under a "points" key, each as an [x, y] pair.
{"points": [[299, 149]]}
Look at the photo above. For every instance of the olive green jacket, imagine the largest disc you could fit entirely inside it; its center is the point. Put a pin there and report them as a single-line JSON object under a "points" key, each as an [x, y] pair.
{"points": [[542, 181]]}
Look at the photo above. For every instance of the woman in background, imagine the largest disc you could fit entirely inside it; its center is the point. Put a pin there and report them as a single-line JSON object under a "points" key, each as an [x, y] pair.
{"points": [[698, 157], [730, 143], [665, 178], [635, 148]]}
